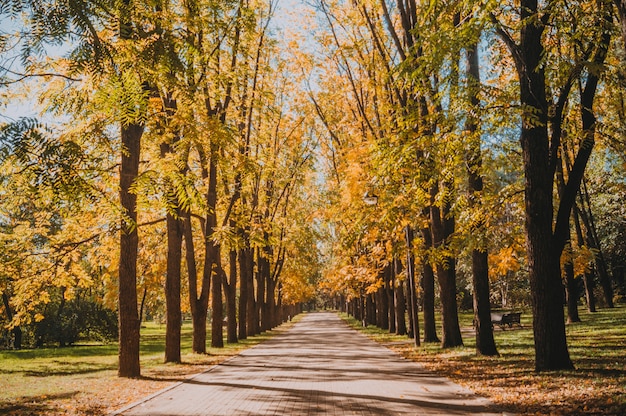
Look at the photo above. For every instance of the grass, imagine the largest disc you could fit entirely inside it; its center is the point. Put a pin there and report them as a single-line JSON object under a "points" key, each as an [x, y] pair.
{"points": [[82, 380], [597, 346]]}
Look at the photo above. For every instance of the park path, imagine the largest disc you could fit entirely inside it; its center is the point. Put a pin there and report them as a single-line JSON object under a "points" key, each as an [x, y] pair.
{"points": [[318, 367]]}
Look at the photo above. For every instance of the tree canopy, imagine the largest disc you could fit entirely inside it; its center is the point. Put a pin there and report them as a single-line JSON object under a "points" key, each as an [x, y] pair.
{"points": [[210, 159]]}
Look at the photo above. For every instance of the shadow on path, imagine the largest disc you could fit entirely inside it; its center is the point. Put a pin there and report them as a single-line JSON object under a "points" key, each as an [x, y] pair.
{"points": [[319, 367]]}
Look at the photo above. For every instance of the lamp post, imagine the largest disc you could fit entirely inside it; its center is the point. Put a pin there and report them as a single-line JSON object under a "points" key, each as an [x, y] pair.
{"points": [[372, 199]]}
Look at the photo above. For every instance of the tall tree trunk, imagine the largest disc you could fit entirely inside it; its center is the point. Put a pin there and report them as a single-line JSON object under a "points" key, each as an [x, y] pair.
{"points": [[370, 309], [172, 289], [129, 243], [198, 299], [450, 330], [389, 285], [262, 265], [270, 301], [252, 306], [213, 271], [243, 293], [400, 301], [485, 343], [217, 306], [412, 284], [174, 259], [428, 291], [230, 288], [543, 258]]}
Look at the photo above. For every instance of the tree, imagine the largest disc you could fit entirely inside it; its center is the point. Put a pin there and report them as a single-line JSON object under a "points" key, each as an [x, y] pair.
{"points": [[540, 150], [485, 343]]}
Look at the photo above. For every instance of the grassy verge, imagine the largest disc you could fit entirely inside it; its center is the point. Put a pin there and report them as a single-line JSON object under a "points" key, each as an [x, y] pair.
{"points": [[82, 380], [597, 346]]}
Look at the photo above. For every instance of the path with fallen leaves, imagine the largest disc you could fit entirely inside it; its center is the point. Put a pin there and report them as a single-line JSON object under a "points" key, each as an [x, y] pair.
{"points": [[319, 367]]}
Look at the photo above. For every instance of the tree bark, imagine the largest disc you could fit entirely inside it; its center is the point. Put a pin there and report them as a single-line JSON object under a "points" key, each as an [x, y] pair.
{"points": [[551, 351], [428, 291], [485, 343], [587, 277], [571, 292], [172, 289], [198, 299], [262, 265], [174, 227], [230, 288], [412, 284], [400, 301], [450, 330], [389, 293], [217, 306], [243, 294], [129, 242], [252, 306]]}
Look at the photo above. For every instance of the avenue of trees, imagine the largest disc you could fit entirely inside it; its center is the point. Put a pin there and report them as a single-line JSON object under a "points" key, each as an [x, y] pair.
{"points": [[190, 159], [484, 137]]}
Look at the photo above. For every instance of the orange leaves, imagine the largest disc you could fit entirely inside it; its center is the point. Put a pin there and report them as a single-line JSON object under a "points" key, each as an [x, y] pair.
{"points": [[504, 261]]}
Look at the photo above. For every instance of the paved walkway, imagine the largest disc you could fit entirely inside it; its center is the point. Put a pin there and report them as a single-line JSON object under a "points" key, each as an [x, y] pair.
{"points": [[318, 367]]}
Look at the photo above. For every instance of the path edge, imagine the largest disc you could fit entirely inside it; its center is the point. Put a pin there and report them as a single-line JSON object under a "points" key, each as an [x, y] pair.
{"points": [[120, 411]]}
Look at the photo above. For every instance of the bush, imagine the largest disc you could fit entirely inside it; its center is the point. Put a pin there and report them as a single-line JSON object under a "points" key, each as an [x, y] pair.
{"points": [[78, 319]]}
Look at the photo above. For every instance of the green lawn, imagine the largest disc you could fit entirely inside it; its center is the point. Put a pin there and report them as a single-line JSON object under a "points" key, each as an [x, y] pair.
{"points": [[597, 347], [82, 379]]}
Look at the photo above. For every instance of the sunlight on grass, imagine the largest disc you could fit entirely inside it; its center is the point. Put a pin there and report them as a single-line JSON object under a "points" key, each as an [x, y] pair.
{"points": [[597, 346], [82, 379]]}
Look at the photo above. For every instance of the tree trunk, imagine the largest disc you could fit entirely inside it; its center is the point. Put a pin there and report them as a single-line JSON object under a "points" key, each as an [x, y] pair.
{"points": [[230, 287], [389, 286], [243, 294], [129, 242], [262, 264], [428, 291], [198, 300], [270, 304], [400, 301], [367, 310], [485, 343], [172, 289], [253, 310], [571, 292], [551, 351], [411, 284], [446, 274], [217, 306]]}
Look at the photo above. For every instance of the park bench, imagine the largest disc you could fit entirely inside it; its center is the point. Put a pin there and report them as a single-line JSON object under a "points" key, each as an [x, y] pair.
{"points": [[502, 319]]}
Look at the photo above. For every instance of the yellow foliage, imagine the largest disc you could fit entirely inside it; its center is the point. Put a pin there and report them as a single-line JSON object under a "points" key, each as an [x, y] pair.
{"points": [[504, 261], [581, 257]]}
